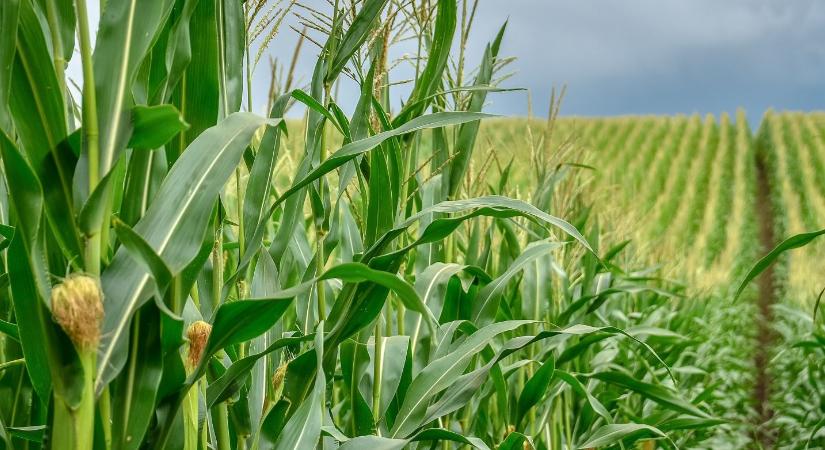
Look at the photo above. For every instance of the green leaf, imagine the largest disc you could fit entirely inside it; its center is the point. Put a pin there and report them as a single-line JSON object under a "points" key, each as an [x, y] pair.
{"points": [[124, 37], [358, 32], [133, 397], [27, 291], [428, 435], [351, 150], [7, 233], [612, 433], [316, 106], [174, 226], [273, 424], [231, 25], [259, 186], [356, 273], [439, 374], [689, 423], [142, 252], [241, 320], [515, 441], [33, 433], [38, 111], [793, 242], [580, 389], [468, 132], [9, 12], [535, 388], [10, 329], [493, 205], [231, 380], [304, 427], [154, 126], [178, 52], [430, 79], [486, 303], [658, 394]]}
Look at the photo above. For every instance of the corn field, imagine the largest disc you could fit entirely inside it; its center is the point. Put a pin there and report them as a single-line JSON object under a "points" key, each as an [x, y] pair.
{"points": [[181, 272]]}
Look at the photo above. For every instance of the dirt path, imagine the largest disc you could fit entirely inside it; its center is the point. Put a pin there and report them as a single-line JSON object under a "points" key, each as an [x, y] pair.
{"points": [[767, 295]]}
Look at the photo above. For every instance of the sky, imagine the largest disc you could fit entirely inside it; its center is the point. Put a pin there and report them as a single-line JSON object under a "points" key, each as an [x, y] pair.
{"points": [[621, 57]]}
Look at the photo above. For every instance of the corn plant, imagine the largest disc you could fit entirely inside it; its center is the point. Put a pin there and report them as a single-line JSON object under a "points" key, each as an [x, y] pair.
{"points": [[162, 289]]}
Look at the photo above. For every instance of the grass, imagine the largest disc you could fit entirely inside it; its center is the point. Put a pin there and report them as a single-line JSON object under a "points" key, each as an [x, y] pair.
{"points": [[414, 277]]}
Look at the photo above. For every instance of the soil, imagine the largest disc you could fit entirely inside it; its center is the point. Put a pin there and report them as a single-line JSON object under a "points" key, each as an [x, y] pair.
{"points": [[764, 436]]}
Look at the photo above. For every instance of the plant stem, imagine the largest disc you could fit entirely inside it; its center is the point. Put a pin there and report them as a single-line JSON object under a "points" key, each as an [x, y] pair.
{"points": [[222, 426], [105, 409], [377, 369], [190, 418], [217, 265], [90, 130], [239, 195], [321, 260], [63, 429], [57, 47], [73, 428], [222, 419]]}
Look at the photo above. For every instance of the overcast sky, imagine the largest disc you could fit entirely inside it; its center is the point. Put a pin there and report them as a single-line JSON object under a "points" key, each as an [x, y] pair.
{"points": [[638, 56]]}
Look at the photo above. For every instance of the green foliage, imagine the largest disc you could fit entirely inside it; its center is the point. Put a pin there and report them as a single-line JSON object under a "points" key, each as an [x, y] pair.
{"points": [[372, 280]]}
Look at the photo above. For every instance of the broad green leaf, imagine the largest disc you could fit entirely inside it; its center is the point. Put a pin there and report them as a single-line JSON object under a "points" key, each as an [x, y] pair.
{"points": [[689, 423], [439, 374], [33, 433], [304, 427], [374, 443], [259, 186], [581, 390], [354, 365], [51, 359], [793, 242], [27, 291], [178, 52], [38, 112], [428, 435], [659, 394], [535, 388], [9, 11], [231, 380], [10, 329], [468, 132], [516, 441], [350, 151], [430, 79], [200, 88], [154, 126], [241, 320], [142, 252], [231, 25], [486, 303], [392, 368], [612, 433], [356, 273], [124, 37], [360, 29], [133, 397], [173, 226], [493, 205]]}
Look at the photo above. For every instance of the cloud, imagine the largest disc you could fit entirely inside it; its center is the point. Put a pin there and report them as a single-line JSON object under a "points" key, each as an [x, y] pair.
{"points": [[631, 56], [648, 56]]}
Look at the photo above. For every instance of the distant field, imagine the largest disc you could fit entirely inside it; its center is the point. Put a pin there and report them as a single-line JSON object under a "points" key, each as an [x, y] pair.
{"points": [[681, 188]]}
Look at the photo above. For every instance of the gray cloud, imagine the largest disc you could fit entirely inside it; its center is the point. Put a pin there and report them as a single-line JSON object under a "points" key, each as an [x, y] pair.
{"points": [[648, 56], [635, 56]]}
